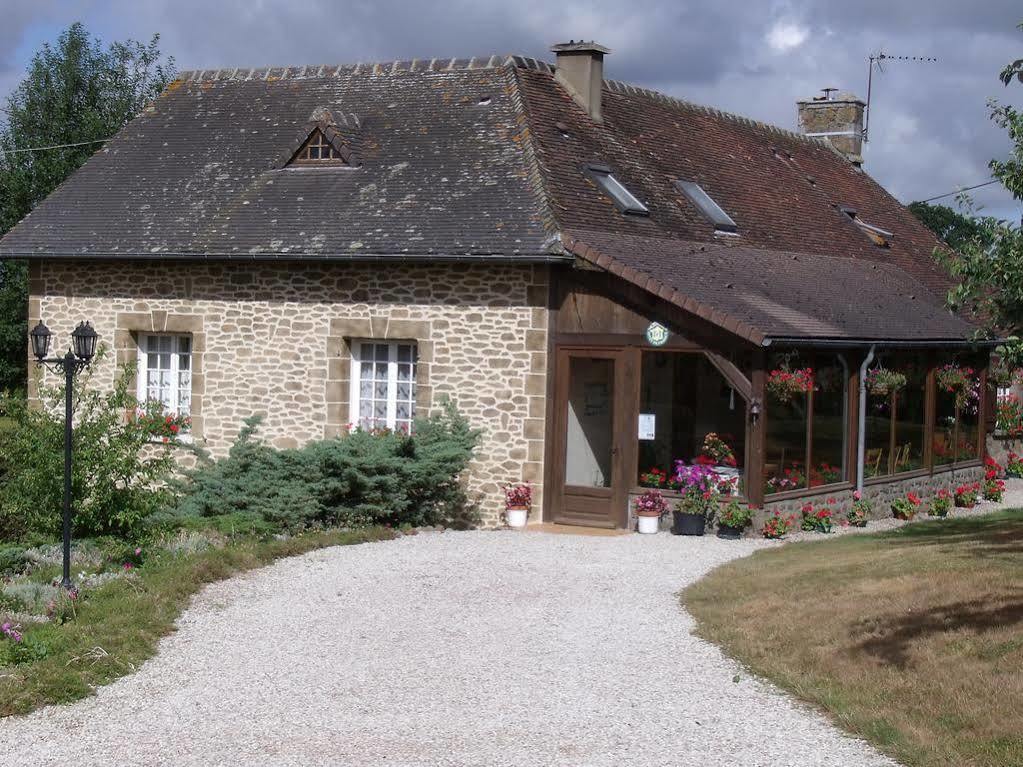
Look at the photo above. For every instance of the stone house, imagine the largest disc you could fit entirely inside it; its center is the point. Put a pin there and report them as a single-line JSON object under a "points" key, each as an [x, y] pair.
{"points": [[598, 274]]}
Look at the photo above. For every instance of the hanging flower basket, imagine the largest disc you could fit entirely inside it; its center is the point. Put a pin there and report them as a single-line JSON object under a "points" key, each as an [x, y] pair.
{"points": [[883, 382], [958, 381], [784, 385]]}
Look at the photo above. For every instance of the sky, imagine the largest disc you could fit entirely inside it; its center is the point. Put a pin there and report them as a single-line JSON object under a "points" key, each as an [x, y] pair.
{"points": [[930, 130]]}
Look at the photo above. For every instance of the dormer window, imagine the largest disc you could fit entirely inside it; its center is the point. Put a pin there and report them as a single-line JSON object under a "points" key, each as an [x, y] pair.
{"points": [[318, 151], [705, 204], [623, 199], [880, 237]]}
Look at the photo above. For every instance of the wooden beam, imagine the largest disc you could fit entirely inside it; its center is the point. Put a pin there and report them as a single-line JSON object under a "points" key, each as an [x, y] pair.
{"points": [[756, 431], [732, 374]]}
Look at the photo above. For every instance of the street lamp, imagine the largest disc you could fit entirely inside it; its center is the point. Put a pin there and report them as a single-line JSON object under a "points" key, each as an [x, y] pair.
{"points": [[83, 341]]}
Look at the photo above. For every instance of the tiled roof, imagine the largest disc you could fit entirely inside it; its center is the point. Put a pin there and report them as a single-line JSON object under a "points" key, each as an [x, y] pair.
{"points": [[763, 294], [443, 171], [482, 158]]}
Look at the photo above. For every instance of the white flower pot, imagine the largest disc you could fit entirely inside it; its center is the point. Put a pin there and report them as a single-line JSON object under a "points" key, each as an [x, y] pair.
{"points": [[648, 525], [516, 517]]}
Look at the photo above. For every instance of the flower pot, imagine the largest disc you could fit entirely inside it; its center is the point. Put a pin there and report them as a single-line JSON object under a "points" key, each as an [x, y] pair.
{"points": [[731, 533], [647, 524], [688, 524], [516, 517]]}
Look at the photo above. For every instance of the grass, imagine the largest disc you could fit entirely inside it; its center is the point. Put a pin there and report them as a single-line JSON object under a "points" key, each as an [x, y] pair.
{"points": [[118, 625], [911, 639]]}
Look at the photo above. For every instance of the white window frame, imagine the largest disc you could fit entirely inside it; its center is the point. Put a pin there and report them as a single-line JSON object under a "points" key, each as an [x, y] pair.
{"points": [[393, 364], [142, 389]]}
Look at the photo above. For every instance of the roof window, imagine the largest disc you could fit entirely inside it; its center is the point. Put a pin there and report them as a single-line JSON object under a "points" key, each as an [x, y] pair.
{"points": [[706, 205], [880, 237], [318, 150], [623, 199]]}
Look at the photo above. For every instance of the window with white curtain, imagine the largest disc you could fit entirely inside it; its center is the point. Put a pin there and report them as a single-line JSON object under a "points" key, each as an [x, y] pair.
{"points": [[383, 393], [165, 372]]}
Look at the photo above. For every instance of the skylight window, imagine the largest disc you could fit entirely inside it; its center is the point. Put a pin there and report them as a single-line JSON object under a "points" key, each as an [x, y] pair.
{"points": [[623, 199], [706, 205], [880, 237]]}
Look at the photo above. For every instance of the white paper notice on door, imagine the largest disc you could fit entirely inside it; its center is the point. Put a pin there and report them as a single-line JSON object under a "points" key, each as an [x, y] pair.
{"points": [[647, 426]]}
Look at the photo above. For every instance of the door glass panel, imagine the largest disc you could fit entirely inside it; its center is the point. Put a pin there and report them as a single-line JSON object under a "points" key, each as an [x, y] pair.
{"points": [[590, 422]]}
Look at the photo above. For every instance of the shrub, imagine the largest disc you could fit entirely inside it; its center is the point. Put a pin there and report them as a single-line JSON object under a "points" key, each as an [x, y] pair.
{"points": [[31, 597], [860, 511], [906, 508], [941, 504], [360, 478], [115, 481], [777, 526]]}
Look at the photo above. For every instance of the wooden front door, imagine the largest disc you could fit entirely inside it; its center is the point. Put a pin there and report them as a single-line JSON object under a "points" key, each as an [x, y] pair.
{"points": [[590, 483]]}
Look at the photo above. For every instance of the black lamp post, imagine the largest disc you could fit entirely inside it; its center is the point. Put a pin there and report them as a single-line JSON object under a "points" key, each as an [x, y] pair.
{"points": [[78, 357]]}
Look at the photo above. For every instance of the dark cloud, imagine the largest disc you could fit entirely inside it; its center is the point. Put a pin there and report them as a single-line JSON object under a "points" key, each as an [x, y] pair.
{"points": [[930, 131]]}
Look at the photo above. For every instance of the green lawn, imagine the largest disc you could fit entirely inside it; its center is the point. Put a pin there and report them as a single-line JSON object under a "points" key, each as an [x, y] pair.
{"points": [[912, 639], [118, 624]]}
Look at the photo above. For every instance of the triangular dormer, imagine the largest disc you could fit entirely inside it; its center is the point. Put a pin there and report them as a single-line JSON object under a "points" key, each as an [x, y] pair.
{"points": [[323, 146]]}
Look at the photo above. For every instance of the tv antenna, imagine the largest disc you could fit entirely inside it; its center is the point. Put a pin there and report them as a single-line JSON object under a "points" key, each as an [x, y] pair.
{"points": [[877, 60]]}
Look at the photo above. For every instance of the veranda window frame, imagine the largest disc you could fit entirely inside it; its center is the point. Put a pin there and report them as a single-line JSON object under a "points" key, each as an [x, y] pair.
{"points": [[813, 358]]}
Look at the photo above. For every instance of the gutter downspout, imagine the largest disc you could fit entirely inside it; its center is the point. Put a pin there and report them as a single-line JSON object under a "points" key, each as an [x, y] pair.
{"points": [[861, 437]]}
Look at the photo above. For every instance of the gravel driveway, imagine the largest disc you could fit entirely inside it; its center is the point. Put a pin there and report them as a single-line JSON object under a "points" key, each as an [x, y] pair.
{"points": [[479, 648]]}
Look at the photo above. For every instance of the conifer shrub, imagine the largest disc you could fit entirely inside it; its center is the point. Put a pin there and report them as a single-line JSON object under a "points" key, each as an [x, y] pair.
{"points": [[361, 478]]}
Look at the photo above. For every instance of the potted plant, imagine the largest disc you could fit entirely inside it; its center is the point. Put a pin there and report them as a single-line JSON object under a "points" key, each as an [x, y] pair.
{"points": [[882, 382], [733, 519], [966, 495], [905, 508], [860, 511], [1009, 416], [649, 509], [518, 499], [1013, 466], [777, 525], [818, 520], [958, 381], [993, 490], [718, 455], [653, 477], [941, 504], [698, 486], [785, 384]]}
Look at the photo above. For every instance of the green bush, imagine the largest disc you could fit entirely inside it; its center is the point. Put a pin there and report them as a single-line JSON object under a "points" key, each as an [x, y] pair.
{"points": [[116, 473], [360, 478]]}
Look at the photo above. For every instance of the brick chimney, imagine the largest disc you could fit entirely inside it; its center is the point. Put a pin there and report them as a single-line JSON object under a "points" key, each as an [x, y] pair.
{"points": [[837, 117], [579, 67]]}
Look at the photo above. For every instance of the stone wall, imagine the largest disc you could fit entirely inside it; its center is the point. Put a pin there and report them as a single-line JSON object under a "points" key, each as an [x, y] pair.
{"points": [[881, 493], [273, 339]]}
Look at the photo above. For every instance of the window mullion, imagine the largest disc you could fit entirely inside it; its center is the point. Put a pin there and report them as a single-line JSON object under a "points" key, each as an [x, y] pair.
{"points": [[392, 385]]}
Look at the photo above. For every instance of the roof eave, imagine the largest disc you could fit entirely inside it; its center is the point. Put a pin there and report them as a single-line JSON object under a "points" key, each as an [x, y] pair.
{"points": [[903, 343], [504, 258]]}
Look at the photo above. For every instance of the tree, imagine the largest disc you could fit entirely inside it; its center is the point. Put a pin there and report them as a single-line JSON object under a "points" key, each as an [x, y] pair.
{"points": [[957, 229], [988, 267], [75, 92]]}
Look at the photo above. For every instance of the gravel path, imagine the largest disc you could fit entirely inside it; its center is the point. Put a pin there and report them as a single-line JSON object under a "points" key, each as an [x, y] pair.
{"points": [[477, 648]]}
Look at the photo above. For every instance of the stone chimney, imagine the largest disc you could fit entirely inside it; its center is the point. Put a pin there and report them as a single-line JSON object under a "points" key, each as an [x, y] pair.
{"points": [[579, 67], [838, 117]]}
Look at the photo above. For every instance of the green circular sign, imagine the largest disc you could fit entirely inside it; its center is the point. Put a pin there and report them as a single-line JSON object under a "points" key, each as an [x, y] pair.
{"points": [[657, 334]]}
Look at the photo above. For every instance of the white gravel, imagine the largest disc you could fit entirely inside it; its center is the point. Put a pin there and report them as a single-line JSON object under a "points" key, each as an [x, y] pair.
{"points": [[479, 648]]}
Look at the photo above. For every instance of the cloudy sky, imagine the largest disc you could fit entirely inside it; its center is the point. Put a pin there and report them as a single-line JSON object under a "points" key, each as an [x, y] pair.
{"points": [[929, 132]]}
